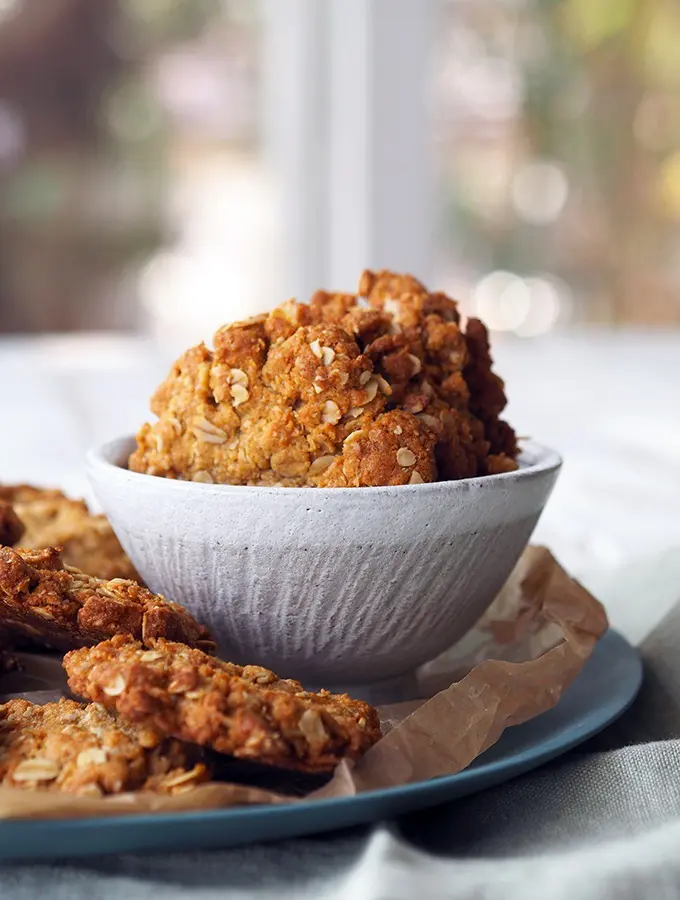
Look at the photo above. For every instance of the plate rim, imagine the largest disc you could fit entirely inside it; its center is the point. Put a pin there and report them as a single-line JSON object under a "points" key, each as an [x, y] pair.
{"points": [[430, 791]]}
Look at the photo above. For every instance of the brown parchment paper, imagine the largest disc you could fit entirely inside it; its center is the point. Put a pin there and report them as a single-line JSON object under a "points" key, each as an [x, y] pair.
{"points": [[514, 665]]}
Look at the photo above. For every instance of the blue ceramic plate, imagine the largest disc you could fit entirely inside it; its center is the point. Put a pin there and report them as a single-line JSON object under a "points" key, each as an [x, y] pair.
{"points": [[605, 688]]}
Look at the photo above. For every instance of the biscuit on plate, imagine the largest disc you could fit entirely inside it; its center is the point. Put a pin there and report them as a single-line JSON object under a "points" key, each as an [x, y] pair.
{"points": [[51, 519], [382, 387], [244, 711], [84, 749], [58, 606]]}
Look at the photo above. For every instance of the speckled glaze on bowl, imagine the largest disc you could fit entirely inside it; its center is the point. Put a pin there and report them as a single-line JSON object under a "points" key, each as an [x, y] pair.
{"points": [[340, 587]]}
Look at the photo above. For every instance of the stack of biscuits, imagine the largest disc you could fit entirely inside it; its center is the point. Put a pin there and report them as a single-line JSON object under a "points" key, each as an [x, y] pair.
{"points": [[161, 708]]}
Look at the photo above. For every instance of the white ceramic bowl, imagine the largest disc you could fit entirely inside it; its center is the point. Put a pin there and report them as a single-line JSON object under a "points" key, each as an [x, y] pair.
{"points": [[340, 587]]}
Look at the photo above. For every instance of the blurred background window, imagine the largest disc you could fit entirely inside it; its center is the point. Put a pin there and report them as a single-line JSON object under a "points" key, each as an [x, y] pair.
{"points": [[558, 143], [168, 165], [132, 195]]}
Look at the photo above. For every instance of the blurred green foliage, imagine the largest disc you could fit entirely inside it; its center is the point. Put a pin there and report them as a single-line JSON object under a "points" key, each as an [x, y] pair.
{"points": [[599, 100]]}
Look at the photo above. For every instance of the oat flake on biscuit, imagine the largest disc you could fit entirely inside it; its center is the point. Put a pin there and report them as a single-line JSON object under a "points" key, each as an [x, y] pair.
{"points": [[244, 711], [85, 750], [55, 605], [51, 519], [310, 395]]}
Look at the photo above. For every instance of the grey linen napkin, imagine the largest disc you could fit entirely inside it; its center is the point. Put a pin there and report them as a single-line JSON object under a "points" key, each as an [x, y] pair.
{"points": [[601, 822]]}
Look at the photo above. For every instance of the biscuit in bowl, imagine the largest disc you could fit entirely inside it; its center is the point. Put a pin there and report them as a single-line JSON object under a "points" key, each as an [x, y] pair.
{"points": [[382, 387]]}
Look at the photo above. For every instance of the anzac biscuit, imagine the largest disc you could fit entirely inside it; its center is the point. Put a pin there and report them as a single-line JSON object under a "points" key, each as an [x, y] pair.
{"points": [[293, 398], [11, 526], [56, 605], [85, 750], [51, 519], [244, 711]]}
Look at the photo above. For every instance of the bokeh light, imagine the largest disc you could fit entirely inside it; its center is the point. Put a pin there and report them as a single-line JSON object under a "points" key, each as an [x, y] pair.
{"points": [[539, 192], [528, 307], [593, 22], [188, 295], [9, 8], [131, 113], [502, 300], [546, 306]]}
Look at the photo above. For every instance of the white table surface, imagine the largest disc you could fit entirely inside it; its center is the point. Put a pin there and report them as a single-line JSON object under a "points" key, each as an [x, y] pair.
{"points": [[609, 402]]}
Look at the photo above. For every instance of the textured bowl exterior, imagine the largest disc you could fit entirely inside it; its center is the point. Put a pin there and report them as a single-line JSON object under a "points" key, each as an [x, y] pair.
{"points": [[331, 586]]}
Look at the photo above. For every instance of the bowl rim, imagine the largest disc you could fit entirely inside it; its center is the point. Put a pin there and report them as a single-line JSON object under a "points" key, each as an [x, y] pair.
{"points": [[541, 460]]}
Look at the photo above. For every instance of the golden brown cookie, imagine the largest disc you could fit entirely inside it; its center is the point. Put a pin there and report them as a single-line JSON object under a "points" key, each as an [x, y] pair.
{"points": [[244, 711], [487, 399], [394, 448], [85, 750], [58, 606], [296, 397], [51, 519], [11, 526]]}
